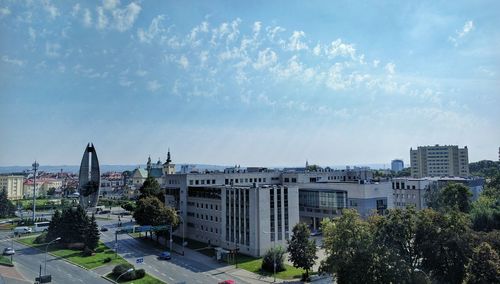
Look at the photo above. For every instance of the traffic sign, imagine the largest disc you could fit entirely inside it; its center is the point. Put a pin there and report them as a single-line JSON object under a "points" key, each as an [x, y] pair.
{"points": [[139, 260]]}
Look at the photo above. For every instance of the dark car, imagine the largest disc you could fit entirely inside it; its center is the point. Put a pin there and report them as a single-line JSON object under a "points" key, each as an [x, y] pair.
{"points": [[165, 255], [104, 229]]}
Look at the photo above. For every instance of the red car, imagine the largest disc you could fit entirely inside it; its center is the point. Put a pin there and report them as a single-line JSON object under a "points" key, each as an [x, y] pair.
{"points": [[227, 282]]}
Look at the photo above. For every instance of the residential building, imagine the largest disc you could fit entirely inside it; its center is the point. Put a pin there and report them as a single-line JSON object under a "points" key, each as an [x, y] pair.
{"points": [[13, 184], [397, 165], [28, 188], [439, 161]]}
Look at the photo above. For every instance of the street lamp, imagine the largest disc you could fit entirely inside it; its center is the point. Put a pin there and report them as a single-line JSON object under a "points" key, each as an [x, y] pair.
{"points": [[128, 271], [46, 247], [35, 168]]}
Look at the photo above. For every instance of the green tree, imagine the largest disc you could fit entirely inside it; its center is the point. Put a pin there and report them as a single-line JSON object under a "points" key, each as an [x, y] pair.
{"points": [[151, 211], [129, 206], [74, 224], [272, 256], [92, 234], [444, 241], [485, 213], [54, 230], [492, 188], [150, 188], [301, 250], [395, 247], [348, 245], [7, 209], [484, 266], [455, 196]]}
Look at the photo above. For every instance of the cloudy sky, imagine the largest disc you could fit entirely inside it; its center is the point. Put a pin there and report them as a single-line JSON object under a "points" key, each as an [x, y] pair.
{"points": [[247, 82]]}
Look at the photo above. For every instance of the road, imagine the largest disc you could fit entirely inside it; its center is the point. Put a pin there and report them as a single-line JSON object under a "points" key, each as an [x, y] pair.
{"points": [[28, 260], [179, 269]]}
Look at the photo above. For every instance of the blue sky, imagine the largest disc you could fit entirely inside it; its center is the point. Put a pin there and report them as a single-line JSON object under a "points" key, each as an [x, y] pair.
{"points": [[247, 82]]}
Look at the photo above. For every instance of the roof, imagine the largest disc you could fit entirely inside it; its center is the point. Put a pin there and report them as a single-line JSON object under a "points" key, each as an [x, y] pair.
{"points": [[156, 172]]}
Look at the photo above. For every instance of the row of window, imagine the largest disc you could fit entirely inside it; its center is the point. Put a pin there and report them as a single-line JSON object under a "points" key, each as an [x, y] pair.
{"points": [[401, 185], [244, 180], [201, 181], [402, 195]]}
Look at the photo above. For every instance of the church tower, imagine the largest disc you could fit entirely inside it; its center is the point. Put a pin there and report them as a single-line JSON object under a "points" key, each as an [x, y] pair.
{"points": [[168, 167]]}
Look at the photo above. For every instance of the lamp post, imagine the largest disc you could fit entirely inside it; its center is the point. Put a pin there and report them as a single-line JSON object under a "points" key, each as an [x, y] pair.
{"points": [[128, 271], [46, 248], [35, 168]]}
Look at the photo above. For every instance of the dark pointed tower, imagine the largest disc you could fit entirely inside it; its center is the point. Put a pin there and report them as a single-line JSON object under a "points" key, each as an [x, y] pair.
{"points": [[89, 179]]}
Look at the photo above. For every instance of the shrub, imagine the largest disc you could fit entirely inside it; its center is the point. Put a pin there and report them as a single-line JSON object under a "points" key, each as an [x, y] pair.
{"points": [[268, 260], [106, 260], [140, 273], [41, 239], [87, 252], [121, 268]]}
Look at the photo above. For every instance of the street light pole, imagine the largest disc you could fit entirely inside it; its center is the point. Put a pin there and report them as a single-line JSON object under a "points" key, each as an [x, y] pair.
{"points": [[46, 248], [128, 271], [35, 168]]}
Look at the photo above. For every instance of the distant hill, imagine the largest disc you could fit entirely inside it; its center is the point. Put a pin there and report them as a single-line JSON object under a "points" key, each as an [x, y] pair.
{"points": [[104, 168], [484, 168]]}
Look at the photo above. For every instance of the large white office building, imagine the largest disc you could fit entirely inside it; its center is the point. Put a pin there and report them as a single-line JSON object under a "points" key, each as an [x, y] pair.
{"points": [[439, 161], [253, 209]]}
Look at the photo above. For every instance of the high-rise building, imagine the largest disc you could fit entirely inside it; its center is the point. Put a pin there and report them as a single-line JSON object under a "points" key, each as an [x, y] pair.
{"points": [[13, 185], [397, 165], [89, 179], [439, 161]]}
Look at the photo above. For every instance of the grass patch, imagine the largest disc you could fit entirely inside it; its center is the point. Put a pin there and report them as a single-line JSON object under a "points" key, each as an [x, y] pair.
{"points": [[5, 261], [147, 279], [254, 265], [75, 256]]}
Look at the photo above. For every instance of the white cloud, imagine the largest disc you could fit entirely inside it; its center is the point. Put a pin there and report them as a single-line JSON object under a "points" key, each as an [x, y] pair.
{"points": [[75, 10], [110, 4], [317, 50], [154, 86], [294, 42], [466, 29], [52, 49], [338, 48], [125, 18], [124, 82], [334, 78], [184, 62], [376, 62], [202, 28], [4, 11], [155, 29], [203, 57], [266, 58], [102, 19], [273, 32], [50, 8], [257, 26], [13, 61], [390, 68], [122, 19], [87, 18]]}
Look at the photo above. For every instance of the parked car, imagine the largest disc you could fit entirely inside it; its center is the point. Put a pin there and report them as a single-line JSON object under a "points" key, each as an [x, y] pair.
{"points": [[227, 282], [9, 251], [104, 229], [165, 255]]}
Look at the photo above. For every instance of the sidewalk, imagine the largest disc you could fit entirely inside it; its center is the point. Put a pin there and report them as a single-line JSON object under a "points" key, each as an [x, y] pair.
{"points": [[11, 275]]}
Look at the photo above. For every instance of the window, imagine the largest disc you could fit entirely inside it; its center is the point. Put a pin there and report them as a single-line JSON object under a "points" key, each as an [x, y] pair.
{"points": [[213, 181], [294, 179], [197, 182]]}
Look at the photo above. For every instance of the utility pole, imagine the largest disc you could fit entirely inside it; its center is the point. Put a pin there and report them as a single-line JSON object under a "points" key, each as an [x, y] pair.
{"points": [[35, 168]]}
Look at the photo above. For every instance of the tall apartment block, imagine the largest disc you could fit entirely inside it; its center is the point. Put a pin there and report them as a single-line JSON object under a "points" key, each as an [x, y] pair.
{"points": [[439, 161]]}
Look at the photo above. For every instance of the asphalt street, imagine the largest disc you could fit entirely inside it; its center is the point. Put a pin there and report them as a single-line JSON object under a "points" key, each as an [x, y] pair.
{"points": [[179, 269], [28, 260]]}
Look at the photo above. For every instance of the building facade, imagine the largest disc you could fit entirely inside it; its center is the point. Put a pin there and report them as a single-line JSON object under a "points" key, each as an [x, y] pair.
{"points": [[13, 185], [439, 161], [397, 165]]}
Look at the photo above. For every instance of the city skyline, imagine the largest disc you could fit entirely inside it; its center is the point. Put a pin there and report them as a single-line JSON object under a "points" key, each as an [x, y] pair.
{"points": [[247, 83]]}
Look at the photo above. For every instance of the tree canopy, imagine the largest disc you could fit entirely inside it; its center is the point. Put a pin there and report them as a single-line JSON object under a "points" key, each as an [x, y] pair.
{"points": [[7, 209], [301, 250], [151, 211]]}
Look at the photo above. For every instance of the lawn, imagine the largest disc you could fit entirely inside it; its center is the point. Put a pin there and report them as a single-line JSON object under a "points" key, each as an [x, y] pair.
{"points": [[148, 279], [75, 256], [254, 264], [5, 261]]}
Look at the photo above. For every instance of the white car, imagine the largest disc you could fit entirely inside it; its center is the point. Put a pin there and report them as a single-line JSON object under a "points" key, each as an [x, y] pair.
{"points": [[9, 251]]}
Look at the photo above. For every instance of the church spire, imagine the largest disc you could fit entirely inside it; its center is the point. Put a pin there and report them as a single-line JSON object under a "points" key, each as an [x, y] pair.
{"points": [[169, 160], [148, 165]]}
